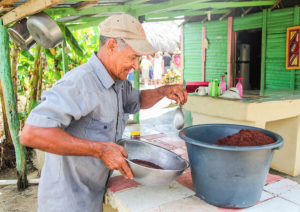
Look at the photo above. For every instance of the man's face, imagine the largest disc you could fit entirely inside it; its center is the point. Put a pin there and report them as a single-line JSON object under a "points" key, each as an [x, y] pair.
{"points": [[123, 61]]}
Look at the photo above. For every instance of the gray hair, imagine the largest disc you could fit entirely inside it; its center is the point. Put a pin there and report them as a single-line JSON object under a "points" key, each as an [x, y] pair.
{"points": [[120, 42]]}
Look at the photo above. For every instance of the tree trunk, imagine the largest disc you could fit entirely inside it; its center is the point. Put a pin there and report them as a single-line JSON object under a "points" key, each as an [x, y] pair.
{"points": [[5, 122], [40, 80], [11, 107], [34, 83], [14, 69]]}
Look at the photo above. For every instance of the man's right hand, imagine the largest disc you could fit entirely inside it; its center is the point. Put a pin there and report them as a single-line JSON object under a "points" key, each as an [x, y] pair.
{"points": [[113, 155]]}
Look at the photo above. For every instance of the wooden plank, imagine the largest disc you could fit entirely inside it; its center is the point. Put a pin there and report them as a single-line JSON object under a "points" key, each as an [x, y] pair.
{"points": [[293, 71], [133, 2], [73, 27], [6, 8], [205, 19], [185, 13], [29, 8], [247, 11], [229, 54], [166, 6], [8, 2], [11, 107], [84, 5], [275, 4], [225, 15], [198, 4], [264, 48], [92, 10], [14, 182], [203, 52]]}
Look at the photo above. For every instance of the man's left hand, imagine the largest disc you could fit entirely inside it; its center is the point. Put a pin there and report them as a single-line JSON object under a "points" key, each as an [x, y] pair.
{"points": [[174, 92]]}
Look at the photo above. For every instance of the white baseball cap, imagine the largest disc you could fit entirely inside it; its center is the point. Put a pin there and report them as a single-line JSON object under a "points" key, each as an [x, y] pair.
{"points": [[130, 30]]}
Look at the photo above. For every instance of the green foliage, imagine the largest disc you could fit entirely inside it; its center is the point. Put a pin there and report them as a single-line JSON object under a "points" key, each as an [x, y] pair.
{"points": [[81, 45]]}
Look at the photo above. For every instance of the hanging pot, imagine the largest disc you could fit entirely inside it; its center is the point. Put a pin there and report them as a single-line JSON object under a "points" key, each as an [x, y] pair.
{"points": [[20, 35], [44, 30]]}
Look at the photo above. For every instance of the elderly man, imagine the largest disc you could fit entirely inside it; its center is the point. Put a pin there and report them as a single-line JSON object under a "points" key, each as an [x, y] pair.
{"points": [[83, 116]]}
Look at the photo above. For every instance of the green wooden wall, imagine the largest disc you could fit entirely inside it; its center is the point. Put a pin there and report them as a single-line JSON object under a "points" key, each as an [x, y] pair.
{"points": [[276, 76], [216, 54]]}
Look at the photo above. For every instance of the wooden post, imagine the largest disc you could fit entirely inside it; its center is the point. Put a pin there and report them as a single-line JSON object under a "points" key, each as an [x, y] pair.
{"points": [[11, 107], [203, 52], [293, 71], [263, 52], [136, 82], [65, 57], [229, 54], [14, 68]]}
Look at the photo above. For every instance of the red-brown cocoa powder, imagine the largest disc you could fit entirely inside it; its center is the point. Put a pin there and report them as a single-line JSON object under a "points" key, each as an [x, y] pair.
{"points": [[146, 164], [246, 137]]}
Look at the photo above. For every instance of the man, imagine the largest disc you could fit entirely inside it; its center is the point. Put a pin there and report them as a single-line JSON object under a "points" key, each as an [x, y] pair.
{"points": [[167, 62], [84, 114]]}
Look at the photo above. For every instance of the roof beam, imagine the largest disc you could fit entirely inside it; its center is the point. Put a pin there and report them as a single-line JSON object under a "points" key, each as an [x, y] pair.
{"points": [[93, 23], [28, 8], [84, 5], [91, 10], [8, 2], [196, 4], [187, 13], [166, 6], [135, 2]]}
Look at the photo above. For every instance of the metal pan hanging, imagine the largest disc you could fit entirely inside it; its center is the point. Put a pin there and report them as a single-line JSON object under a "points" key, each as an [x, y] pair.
{"points": [[44, 30], [20, 35]]}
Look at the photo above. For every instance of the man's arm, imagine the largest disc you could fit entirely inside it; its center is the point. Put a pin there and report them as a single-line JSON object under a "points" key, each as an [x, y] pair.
{"points": [[57, 141], [150, 97]]}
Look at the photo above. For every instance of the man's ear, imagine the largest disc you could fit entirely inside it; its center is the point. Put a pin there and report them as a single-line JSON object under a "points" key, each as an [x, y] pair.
{"points": [[111, 46]]}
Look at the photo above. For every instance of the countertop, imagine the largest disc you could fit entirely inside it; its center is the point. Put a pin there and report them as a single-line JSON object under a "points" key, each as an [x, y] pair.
{"points": [[256, 96]]}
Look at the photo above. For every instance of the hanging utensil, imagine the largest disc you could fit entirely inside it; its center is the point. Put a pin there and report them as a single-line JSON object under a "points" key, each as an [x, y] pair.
{"points": [[179, 116], [20, 35], [44, 30]]}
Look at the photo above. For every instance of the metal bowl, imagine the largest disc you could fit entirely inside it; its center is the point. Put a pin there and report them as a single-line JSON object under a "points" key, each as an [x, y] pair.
{"points": [[44, 30], [20, 35], [172, 164]]}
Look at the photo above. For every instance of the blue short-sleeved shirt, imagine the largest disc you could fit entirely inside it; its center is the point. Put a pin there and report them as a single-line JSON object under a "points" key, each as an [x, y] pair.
{"points": [[88, 104]]}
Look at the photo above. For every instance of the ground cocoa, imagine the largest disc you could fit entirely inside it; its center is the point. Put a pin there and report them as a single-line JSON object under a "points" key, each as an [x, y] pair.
{"points": [[146, 164], [246, 138]]}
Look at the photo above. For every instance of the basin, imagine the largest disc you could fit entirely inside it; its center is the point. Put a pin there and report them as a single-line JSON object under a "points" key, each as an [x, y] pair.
{"points": [[172, 164], [227, 176]]}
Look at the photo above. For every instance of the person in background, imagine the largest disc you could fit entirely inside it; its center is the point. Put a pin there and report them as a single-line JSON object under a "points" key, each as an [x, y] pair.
{"points": [[176, 59], [145, 65], [130, 77], [158, 69], [167, 62], [151, 59]]}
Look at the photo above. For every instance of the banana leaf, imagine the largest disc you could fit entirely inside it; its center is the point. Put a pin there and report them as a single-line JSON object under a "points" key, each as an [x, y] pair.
{"points": [[71, 39], [27, 55]]}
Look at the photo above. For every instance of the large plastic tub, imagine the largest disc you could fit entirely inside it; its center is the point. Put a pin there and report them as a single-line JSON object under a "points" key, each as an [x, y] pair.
{"points": [[231, 177]]}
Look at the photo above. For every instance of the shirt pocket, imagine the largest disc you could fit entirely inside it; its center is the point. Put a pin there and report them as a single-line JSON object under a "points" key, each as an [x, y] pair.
{"points": [[101, 129]]}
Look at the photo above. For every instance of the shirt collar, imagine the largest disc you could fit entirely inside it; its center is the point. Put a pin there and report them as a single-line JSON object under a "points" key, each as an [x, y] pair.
{"points": [[101, 71]]}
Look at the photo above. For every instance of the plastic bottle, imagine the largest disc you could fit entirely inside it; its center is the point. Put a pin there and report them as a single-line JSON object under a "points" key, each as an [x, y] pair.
{"points": [[239, 86], [223, 84]]}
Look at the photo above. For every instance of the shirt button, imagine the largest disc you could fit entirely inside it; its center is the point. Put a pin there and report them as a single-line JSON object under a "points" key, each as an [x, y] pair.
{"points": [[105, 127]]}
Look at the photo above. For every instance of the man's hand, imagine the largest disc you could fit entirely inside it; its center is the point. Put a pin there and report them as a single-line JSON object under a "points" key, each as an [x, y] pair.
{"points": [[113, 155], [174, 92], [152, 96]]}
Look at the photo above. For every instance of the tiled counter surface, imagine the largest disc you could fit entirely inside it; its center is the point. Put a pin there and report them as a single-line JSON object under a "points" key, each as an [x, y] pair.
{"points": [[279, 195]]}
